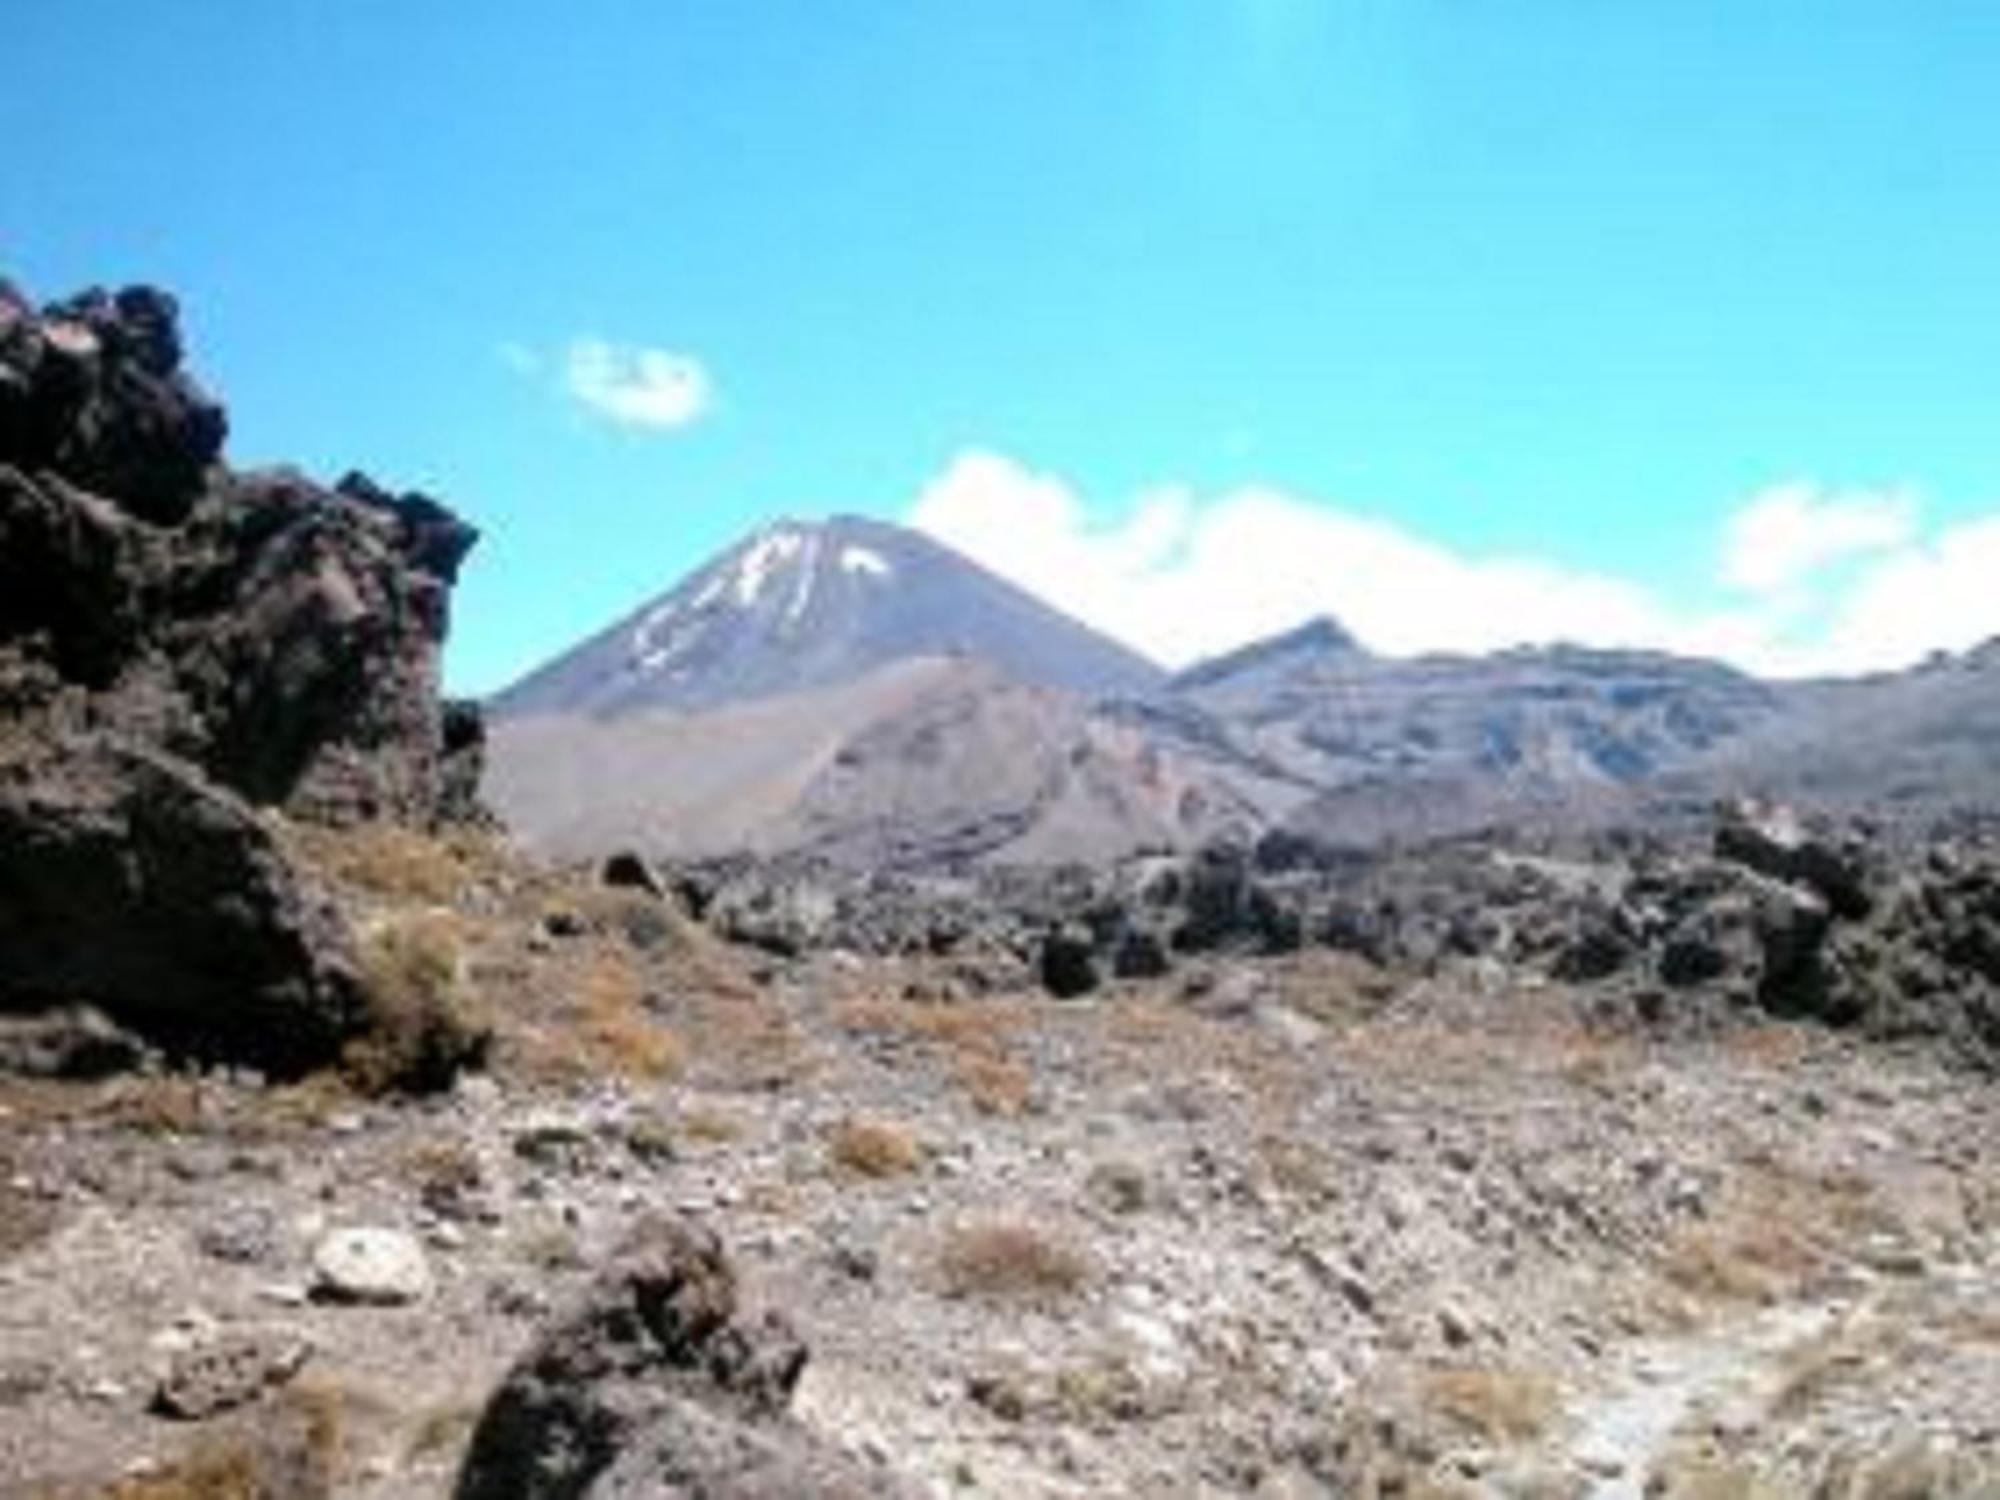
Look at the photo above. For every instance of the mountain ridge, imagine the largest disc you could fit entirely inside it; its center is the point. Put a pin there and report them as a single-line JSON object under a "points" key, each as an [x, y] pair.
{"points": [[856, 690]]}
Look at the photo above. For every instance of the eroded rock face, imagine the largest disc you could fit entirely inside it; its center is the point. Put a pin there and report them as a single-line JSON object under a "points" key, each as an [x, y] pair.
{"points": [[653, 1384], [181, 648], [129, 879], [282, 636]]}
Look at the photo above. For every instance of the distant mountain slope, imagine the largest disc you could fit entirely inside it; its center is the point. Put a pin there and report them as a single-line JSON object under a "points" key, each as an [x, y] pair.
{"points": [[800, 605], [857, 691], [922, 762]]}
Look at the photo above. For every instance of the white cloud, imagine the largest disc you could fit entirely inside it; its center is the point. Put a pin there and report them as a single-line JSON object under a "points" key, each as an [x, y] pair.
{"points": [[636, 387], [1181, 576], [1939, 594], [1793, 530]]}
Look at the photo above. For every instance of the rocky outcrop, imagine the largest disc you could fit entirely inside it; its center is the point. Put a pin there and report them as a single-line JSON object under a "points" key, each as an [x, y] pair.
{"points": [[182, 648], [127, 878], [655, 1384]]}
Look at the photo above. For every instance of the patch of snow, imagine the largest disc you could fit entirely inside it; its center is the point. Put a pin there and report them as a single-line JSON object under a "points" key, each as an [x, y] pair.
{"points": [[649, 626], [766, 553], [802, 592], [862, 560], [711, 591]]}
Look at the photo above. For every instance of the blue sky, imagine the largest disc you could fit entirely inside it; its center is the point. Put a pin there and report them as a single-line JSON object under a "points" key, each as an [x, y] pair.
{"points": [[1671, 323]]}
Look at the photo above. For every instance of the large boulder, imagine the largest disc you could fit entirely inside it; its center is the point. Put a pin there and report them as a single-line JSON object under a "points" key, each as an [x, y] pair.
{"points": [[129, 880], [1772, 840], [654, 1385]]}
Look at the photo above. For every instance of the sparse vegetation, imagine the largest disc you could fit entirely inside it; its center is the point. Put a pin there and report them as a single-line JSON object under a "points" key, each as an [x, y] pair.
{"points": [[394, 863], [445, 1172], [873, 1148], [425, 1021], [1010, 1258], [287, 1448], [1495, 1404]]}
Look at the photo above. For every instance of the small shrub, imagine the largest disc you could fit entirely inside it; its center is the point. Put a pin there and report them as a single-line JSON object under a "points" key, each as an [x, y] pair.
{"points": [[628, 1042], [290, 1446], [26, 1219], [425, 1024], [706, 1123], [1497, 1405], [445, 1173], [442, 1432], [390, 862], [995, 1085], [873, 1148], [1008, 1258]]}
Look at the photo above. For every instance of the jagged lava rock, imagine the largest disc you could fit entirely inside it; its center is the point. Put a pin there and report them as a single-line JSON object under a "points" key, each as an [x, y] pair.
{"points": [[653, 1384], [181, 648]]}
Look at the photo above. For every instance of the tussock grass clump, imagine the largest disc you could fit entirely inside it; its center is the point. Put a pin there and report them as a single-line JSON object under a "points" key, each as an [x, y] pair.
{"points": [[1495, 1404], [972, 1039], [874, 1148], [290, 1446], [396, 864], [1009, 1258], [26, 1219], [601, 1027], [425, 1022], [628, 1042]]}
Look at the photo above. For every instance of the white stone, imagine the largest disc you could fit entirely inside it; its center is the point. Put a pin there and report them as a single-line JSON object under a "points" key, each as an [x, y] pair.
{"points": [[381, 1266]]}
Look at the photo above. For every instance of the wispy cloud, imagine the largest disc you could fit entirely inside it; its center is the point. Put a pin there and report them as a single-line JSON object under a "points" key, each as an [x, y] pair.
{"points": [[631, 386], [652, 389], [1791, 531], [1182, 576]]}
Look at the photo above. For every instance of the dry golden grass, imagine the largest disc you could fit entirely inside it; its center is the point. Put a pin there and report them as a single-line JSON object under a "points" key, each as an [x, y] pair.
{"points": [[442, 1432], [630, 1042], [706, 1123], [743, 1040], [425, 1020], [397, 865], [995, 1085], [602, 1027], [158, 1104], [1012, 1259], [26, 1219], [289, 1448], [1711, 1477], [445, 1172], [973, 1039], [1774, 1044], [1493, 1403], [873, 1148], [1770, 1233]]}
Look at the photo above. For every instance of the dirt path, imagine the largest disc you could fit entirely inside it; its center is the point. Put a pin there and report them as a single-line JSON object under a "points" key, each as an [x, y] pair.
{"points": [[1620, 1432]]}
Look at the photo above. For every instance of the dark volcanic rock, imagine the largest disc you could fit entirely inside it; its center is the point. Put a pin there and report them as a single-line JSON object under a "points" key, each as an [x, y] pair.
{"points": [[654, 1385], [127, 878], [282, 636], [181, 646], [93, 390], [1068, 963], [1772, 841]]}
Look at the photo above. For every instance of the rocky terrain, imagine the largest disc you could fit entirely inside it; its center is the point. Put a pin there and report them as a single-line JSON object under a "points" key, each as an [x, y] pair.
{"points": [[348, 1147], [1283, 1212]]}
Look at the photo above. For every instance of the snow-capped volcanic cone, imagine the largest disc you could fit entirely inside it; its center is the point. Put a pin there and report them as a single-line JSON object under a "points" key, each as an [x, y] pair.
{"points": [[800, 605]]}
